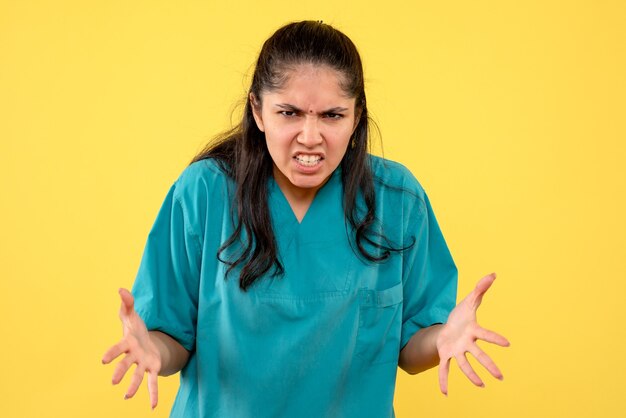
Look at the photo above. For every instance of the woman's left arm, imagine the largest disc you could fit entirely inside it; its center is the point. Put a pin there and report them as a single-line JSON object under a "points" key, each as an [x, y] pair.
{"points": [[438, 344]]}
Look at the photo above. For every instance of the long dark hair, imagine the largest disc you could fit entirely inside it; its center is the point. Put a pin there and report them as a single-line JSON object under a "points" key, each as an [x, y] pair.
{"points": [[242, 152]]}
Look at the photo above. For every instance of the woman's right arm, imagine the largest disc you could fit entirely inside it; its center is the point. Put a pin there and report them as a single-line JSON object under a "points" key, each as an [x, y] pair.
{"points": [[153, 352], [173, 355]]}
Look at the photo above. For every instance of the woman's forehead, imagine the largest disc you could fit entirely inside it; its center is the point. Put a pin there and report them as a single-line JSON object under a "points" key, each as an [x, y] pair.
{"points": [[308, 82]]}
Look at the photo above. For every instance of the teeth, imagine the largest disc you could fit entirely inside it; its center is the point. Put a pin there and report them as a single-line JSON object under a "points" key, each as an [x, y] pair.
{"points": [[308, 160]]}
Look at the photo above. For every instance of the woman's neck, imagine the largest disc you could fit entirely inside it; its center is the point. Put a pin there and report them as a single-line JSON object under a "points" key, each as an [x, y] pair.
{"points": [[299, 198]]}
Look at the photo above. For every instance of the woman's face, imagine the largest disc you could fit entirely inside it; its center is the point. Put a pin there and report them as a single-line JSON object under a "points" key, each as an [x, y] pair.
{"points": [[307, 124]]}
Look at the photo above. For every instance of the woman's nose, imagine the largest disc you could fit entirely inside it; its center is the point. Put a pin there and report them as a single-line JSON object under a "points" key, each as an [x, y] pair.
{"points": [[310, 134]]}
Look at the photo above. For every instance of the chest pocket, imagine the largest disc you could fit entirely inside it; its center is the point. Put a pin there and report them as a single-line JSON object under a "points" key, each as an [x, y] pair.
{"points": [[380, 325], [313, 272]]}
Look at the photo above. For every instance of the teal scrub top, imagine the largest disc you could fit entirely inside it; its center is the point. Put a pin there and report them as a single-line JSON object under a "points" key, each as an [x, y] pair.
{"points": [[323, 339]]}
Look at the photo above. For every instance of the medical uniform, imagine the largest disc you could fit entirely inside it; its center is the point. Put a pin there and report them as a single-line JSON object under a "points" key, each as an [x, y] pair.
{"points": [[322, 340]]}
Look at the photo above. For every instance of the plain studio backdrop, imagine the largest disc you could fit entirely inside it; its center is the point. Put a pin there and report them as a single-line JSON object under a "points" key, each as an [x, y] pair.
{"points": [[510, 114]]}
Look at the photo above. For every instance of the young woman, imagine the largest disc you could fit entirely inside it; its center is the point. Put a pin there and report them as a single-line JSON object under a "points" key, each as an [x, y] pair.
{"points": [[289, 273]]}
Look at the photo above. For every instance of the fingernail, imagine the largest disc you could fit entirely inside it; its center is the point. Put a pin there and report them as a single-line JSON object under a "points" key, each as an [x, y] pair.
{"points": [[126, 397], [501, 377]]}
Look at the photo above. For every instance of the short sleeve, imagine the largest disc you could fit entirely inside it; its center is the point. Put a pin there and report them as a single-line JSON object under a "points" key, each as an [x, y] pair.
{"points": [[430, 275], [166, 286]]}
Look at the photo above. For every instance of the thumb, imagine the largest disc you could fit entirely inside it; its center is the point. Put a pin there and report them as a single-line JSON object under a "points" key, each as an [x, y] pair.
{"points": [[128, 302], [481, 288]]}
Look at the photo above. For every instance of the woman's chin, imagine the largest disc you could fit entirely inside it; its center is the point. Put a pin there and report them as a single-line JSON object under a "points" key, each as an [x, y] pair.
{"points": [[300, 182], [307, 182]]}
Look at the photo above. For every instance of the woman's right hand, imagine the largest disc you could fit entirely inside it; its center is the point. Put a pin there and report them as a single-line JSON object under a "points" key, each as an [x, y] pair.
{"points": [[139, 350]]}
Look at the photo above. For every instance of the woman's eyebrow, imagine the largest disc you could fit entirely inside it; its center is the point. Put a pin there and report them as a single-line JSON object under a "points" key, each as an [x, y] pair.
{"points": [[337, 110], [292, 108], [289, 107]]}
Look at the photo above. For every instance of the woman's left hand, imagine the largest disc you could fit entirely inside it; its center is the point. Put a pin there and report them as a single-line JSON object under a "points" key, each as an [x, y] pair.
{"points": [[459, 335]]}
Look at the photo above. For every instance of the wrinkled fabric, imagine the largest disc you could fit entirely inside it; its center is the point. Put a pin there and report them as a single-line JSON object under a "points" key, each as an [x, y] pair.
{"points": [[323, 339]]}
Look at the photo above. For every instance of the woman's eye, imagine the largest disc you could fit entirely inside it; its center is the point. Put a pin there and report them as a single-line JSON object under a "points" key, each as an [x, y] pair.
{"points": [[334, 115], [288, 113]]}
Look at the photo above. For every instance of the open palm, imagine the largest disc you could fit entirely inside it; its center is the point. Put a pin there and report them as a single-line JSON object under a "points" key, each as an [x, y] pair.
{"points": [[459, 335], [139, 350]]}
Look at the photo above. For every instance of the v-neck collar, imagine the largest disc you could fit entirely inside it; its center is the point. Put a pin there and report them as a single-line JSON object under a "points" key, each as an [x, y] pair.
{"points": [[281, 211]]}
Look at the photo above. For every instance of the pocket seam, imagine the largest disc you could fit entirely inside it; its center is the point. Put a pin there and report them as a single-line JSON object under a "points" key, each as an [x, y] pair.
{"points": [[264, 294], [378, 299]]}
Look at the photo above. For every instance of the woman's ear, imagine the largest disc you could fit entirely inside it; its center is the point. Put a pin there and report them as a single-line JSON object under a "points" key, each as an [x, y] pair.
{"points": [[256, 111]]}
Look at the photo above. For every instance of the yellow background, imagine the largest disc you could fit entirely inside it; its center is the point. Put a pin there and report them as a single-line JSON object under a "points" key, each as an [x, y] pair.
{"points": [[510, 113]]}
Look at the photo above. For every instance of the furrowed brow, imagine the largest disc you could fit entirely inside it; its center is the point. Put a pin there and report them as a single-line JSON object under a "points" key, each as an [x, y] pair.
{"points": [[336, 110], [292, 108], [287, 106]]}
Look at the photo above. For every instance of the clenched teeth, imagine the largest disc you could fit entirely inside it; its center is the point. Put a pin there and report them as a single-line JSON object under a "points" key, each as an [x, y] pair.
{"points": [[308, 160]]}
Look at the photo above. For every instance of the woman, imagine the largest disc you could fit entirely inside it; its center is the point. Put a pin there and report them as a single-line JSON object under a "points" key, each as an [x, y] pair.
{"points": [[288, 272]]}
